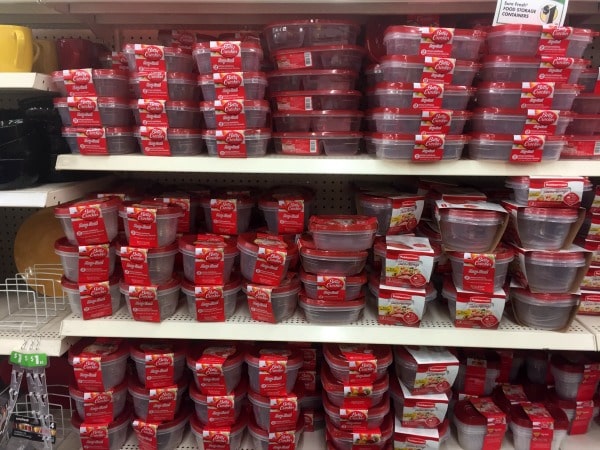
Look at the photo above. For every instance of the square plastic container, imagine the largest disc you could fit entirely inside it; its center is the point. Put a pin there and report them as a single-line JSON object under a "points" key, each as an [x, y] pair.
{"points": [[304, 33], [332, 312], [167, 297], [141, 397], [166, 220], [294, 363], [512, 121], [584, 124], [249, 245], [69, 258], [183, 87], [409, 69], [503, 257], [423, 411], [257, 141], [244, 205], [185, 141], [514, 39], [471, 426], [272, 206], [255, 85], [118, 399], [334, 388], [552, 271], [545, 228], [342, 57], [257, 113], [521, 426], [508, 95], [250, 52], [353, 285], [117, 429], [284, 298], [229, 293], [291, 101], [543, 311], [517, 69], [141, 348], [499, 147], [180, 114], [119, 140], [235, 435], [408, 121], [333, 143], [406, 40], [176, 59], [344, 440], [227, 246], [402, 146], [107, 206], [113, 356], [328, 120], [71, 289], [338, 362], [375, 414], [311, 80], [329, 262], [568, 372], [260, 437], [232, 366], [343, 233], [400, 95], [111, 83]]}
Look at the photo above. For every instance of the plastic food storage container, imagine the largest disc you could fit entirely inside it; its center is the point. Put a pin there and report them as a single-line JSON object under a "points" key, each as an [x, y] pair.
{"points": [[431, 292], [587, 104], [230, 292], [255, 85], [409, 69], [511, 121], [111, 83], [381, 206], [223, 247], [161, 261], [180, 114], [508, 95], [273, 205], [471, 426], [569, 407], [176, 59], [304, 33], [522, 68], [406, 368], [294, 363], [182, 87], [257, 141], [117, 399], [353, 285], [284, 298], [408, 121], [491, 373], [400, 95], [520, 187], [250, 52], [552, 271], [113, 356], [402, 146], [88, 210], [117, 429], [514, 39], [327, 120], [333, 143], [257, 112], [119, 140], [170, 434], [311, 80], [544, 311], [71, 288], [568, 372], [167, 296], [175, 348], [423, 411], [498, 147], [262, 408], [587, 80], [334, 388], [243, 208], [469, 230], [545, 228], [166, 220], [141, 397], [114, 112], [503, 256], [375, 414], [235, 435], [249, 245], [292, 101], [330, 262], [260, 437], [339, 363], [521, 426], [341, 57], [332, 312], [232, 366], [584, 124], [344, 440], [343, 233], [69, 258]]}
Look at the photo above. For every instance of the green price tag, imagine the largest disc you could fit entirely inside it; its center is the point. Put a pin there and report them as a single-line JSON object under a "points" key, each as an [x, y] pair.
{"points": [[29, 359]]}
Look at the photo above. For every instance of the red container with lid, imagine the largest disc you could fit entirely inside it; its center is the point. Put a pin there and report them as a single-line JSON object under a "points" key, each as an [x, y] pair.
{"points": [[470, 379], [343, 233], [152, 303], [292, 101], [400, 95], [255, 85], [201, 252], [334, 388], [502, 258], [402, 146], [331, 312], [88, 141], [250, 51], [256, 113], [519, 69], [231, 367], [204, 402], [410, 69], [333, 143], [117, 430], [311, 80], [95, 407], [575, 376], [315, 286], [262, 359], [160, 261], [338, 357], [410, 374], [469, 230], [408, 121], [284, 297], [307, 32], [257, 141], [204, 301], [235, 436], [344, 440], [326, 120], [578, 423], [106, 83], [553, 271], [513, 121], [544, 311], [145, 352], [143, 397], [522, 426], [396, 212], [471, 425], [251, 245], [340, 57], [71, 259], [75, 218], [509, 95], [261, 438], [330, 262], [110, 356], [545, 228], [76, 302], [499, 147], [136, 215], [227, 213], [375, 415], [287, 210]]}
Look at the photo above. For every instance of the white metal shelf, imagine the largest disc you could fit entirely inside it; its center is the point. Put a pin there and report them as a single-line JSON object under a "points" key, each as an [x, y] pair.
{"points": [[356, 165], [25, 83]]}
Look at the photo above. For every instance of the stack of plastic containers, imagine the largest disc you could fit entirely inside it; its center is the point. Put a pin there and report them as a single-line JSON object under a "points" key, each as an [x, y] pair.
{"points": [[586, 125], [528, 87], [309, 386], [418, 111], [589, 238], [236, 116], [166, 100], [87, 253], [147, 257], [315, 104]]}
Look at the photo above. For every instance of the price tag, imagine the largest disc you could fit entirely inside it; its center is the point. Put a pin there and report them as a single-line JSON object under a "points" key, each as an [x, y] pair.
{"points": [[535, 12], [29, 359]]}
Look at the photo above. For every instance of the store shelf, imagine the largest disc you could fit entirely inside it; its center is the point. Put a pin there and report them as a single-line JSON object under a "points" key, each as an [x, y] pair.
{"points": [[25, 83], [50, 194], [357, 165]]}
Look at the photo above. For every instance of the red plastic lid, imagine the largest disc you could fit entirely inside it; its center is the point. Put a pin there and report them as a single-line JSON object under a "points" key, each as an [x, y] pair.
{"points": [[350, 92], [360, 279], [471, 214], [172, 247], [558, 256], [319, 135], [289, 284], [250, 241], [255, 104], [162, 209], [509, 137], [308, 22], [181, 76], [386, 428], [308, 248], [543, 297], [68, 284], [109, 73], [412, 112], [271, 199], [121, 420], [516, 112], [332, 385], [196, 351], [181, 104], [551, 212], [252, 133], [198, 427], [234, 283], [138, 388], [173, 283], [183, 132], [77, 393], [386, 198], [507, 59], [502, 252], [334, 355], [63, 245], [109, 350], [516, 27], [188, 242], [520, 417], [248, 45], [420, 60], [295, 359], [105, 204], [357, 303], [342, 223], [239, 392], [243, 198], [176, 51], [468, 414], [321, 48], [379, 410], [586, 117], [140, 348], [311, 72]]}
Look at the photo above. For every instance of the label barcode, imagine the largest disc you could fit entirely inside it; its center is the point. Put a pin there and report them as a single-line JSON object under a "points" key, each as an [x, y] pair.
{"points": [[313, 146], [308, 103], [308, 59]]}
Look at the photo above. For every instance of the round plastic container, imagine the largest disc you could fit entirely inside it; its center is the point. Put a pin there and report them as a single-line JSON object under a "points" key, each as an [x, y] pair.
{"points": [[341, 57], [354, 285], [107, 207], [553, 271], [257, 141], [232, 366], [260, 437], [117, 429], [334, 388], [256, 111], [521, 426], [235, 435], [302, 33], [408, 121], [503, 257], [409, 69], [545, 228], [344, 440], [400, 95], [141, 397], [294, 363], [343, 233], [381, 206], [161, 261], [255, 85], [261, 408], [293, 101], [568, 374], [284, 297], [517, 69], [332, 312], [328, 120], [406, 40], [520, 187], [311, 80], [141, 348], [230, 292], [113, 356], [71, 289], [338, 362], [250, 52], [249, 244], [243, 206], [508, 95], [406, 369], [512, 121], [376, 414], [333, 143], [468, 230], [69, 258], [498, 147], [201, 402], [217, 248], [269, 205], [166, 220], [118, 398], [119, 140], [167, 297], [402, 146], [544, 311], [329, 262], [471, 426]]}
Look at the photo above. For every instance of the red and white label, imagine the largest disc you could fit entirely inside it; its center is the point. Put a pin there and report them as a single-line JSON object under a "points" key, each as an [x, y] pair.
{"points": [[78, 83], [98, 407], [230, 114], [91, 141], [300, 146], [295, 60], [270, 264], [331, 287], [479, 271], [435, 121], [154, 85], [272, 374], [260, 304], [541, 122], [366, 439], [542, 430], [555, 69], [229, 85], [152, 113], [496, 422], [584, 412], [554, 40], [527, 148], [307, 379], [218, 438], [423, 411], [590, 304], [362, 364], [135, 266], [399, 307], [406, 213], [514, 393], [96, 300], [209, 260], [88, 224], [535, 95], [555, 192], [475, 377], [143, 301], [146, 433], [88, 373], [221, 410], [231, 143], [589, 383], [226, 56], [282, 440], [436, 42], [354, 416], [84, 111], [94, 436], [183, 222], [159, 369], [438, 70], [162, 404], [154, 142], [93, 263], [429, 147], [210, 303], [224, 213], [427, 95], [149, 58], [209, 370], [283, 412], [435, 372], [142, 225], [290, 216]]}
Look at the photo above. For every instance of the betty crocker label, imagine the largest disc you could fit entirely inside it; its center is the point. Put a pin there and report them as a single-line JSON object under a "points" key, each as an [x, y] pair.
{"points": [[159, 369], [224, 213], [226, 56], [290, 216], [210, 303], [135, 266], [438, 70], [98, 407], [162, 404], [427, 95], [88, 224], [436, 41], [153, 85], [270, 265], [91, 141], [144, 304], [209, 370], [330, 287], [231, 143], [149, 58], [84, 111], [209, 263], [272, 374], [282, 440], [78, 83], [221, 410], [229, 85], [147, 434], [88, 373], [283, 412], [259, 303], [96, 300], [154, 142], [218, 438], [94, 436], [93, 263], [143, 230]]}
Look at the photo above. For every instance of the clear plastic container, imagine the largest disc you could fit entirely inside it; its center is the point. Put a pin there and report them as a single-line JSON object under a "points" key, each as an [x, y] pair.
{"points": [[201, 402], [140, 348], [341, 57], [169, 435], [587, 104], [71, 289], [375, 414], [311, 80], [545, 228], [402, 146], [262, 408], [303, 33], [332, 312], [180, 114], [117, 429], [408, 121], [167, 297], [569, 407], [468, 230], [334, 388], [381, 207], [284, 298], [110, 83], [255, 85], [521, 426], [330, 262], [508, 95], [520, 187], [543, 311], [406, 40], [400, 95], [260, 437], [503, 257], [409, 69], [114, 112], [471, 426], [498, 147], [182, 87], [339, 363], [354, 285], [587, 80], [230, 295], [249, 244], [161, 261], [184, 141], [328, 120], [514, 39], [257, 113], [269, 204], [244, 205], [431, 292], [343, 233], [166, 220], [232, 366], [553, 271], [292, 101], [373, 75], [568, 372], [176, 59], [107, 206], [141, 397], [425, 410], [226, 245], [333, 143], [119, 140], [257, 141], [113, 356], [118, 399], [344, 440], [294, 363], [235, 435], [521, 69], [250, 51], [584, 124], [69, 258], [511, 121]]}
